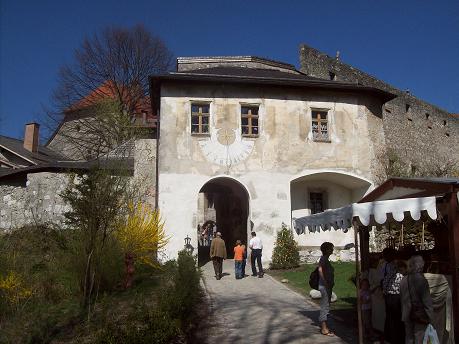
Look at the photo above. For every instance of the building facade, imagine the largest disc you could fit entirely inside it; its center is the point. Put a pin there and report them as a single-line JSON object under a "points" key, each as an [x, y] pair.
{"points": [[259, 143]]}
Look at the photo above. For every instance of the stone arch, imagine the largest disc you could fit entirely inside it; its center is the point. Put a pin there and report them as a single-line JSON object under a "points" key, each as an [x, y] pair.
{"points": [[318, 190], [225, 202]]}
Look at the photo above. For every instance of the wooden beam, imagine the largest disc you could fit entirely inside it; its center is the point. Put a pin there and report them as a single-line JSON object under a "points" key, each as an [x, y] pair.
{"points": [[453, 228], [355, 226]]}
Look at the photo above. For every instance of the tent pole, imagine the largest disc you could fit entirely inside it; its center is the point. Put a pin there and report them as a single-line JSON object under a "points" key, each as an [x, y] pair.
{"points": [[422, 238], [355, 226]]}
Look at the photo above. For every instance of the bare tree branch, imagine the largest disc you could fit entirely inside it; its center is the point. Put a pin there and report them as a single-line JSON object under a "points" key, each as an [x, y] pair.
{"points": [[105, 90]]}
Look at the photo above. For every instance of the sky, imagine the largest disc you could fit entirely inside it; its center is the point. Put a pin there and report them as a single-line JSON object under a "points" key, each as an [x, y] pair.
{"points": [[410, 44]]}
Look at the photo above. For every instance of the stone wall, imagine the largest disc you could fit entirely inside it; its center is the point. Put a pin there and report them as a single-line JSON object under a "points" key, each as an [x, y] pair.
{"points": [[185, 64], [312, 255], [421, 134], [39, 201]]}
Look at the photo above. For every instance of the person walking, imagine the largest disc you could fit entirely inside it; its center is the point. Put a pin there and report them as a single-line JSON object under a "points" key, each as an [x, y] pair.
{"points": [[256, 246], [238, 258], [244, 260], [217, 254], [417, 307], [326, 283]]}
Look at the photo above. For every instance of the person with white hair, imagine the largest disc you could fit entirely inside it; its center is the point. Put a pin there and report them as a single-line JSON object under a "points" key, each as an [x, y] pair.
{"points": [[417, 309], [218, 254]]}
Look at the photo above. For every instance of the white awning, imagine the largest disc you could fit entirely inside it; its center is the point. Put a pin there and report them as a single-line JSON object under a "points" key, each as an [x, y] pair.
{"points": [[370, 213]]}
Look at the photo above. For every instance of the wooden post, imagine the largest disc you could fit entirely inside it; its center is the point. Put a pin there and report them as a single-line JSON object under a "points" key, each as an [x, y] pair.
{"points": [[453, 229], [422, 237], [355, 226]]}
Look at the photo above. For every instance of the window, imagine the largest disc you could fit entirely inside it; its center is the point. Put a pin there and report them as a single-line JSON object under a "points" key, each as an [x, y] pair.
{"points": [[320, 125], [332, 75], [200, 118], [316, 202], [249, 121]]}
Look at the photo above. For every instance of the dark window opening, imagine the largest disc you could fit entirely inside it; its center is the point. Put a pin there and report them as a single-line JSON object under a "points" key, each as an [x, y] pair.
{"points": [[249, 121], [332, 75], [444, 123], [427, 116], [430, 127], [410, 119], [407, 107], [316, 201], [447, 134]]}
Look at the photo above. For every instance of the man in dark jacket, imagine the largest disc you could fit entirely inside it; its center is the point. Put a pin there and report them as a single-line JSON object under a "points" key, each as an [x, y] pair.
{"points": [[217, 254]]}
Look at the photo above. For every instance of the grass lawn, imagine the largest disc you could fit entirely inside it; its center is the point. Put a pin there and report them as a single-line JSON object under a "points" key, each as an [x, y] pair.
{"points": [[299, 281]]}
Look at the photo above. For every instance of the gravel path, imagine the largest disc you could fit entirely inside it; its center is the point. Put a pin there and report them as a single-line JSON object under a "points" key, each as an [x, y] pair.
{"points": [[262, 310]]}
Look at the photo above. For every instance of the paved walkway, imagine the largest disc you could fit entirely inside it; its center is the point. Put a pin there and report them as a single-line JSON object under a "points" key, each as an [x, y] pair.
{"points": [[262, 310]]}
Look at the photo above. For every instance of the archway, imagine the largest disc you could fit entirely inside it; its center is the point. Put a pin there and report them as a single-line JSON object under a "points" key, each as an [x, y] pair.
{"points": [[223, 202], [316, 191]]}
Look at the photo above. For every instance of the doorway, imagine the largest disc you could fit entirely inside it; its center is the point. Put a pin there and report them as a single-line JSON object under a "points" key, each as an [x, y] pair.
{"points": [[223, 206]]}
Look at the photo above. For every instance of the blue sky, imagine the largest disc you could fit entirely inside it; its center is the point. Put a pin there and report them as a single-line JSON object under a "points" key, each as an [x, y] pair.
{"points": [[410, 43]]}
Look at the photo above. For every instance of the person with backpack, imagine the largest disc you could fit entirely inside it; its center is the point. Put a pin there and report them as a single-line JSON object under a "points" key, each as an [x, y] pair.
{"points": [[326, 282]]}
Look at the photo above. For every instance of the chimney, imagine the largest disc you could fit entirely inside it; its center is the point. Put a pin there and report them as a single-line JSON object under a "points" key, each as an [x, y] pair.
{"points": [[31, 137]]}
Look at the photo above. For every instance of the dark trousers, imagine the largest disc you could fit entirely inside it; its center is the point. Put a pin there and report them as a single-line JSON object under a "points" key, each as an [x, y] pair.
{"points": [[243, 267], [256, 255], [218, 266], [238, 269], [394, 329]]}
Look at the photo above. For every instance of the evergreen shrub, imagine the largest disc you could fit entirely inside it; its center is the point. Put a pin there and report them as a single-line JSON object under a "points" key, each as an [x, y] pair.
{"points": [[285, 254]]}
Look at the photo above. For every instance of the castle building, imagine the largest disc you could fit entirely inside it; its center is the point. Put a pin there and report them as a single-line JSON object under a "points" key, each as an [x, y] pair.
{"points": [[250, 143]]}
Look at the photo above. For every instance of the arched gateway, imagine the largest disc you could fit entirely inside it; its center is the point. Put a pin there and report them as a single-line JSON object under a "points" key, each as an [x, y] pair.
{"points": [[222, 201]]}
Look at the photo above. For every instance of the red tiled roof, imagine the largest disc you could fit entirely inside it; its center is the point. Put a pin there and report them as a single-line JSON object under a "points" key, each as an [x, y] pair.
{"points": [[143, 114]]}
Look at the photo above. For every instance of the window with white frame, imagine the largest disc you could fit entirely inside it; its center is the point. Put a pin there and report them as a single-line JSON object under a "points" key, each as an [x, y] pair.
{"points": [[200, 116], [320, 128]]}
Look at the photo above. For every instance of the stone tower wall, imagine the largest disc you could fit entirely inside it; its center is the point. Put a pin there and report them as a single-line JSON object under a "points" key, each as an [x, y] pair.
{"points": [[420, 134]]}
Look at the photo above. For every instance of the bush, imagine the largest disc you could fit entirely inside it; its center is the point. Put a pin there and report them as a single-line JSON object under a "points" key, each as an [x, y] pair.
{"points": [[157, 327], [180, 294], [184, 290], [30, 267], [285, 253]]}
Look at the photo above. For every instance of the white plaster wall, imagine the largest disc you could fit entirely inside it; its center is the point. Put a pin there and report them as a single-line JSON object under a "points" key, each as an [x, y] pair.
{"points": [[283, 151], [337, 196]]}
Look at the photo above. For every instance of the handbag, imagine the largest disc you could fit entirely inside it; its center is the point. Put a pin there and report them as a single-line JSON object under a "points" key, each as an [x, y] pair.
{"points": [[417, 313]]}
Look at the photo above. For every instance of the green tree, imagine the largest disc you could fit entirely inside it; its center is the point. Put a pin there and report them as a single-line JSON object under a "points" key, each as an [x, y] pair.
{"points": [[95, 199], [285, 254]]}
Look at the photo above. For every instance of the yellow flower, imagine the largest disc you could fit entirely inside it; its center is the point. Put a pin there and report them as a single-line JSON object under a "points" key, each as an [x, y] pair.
{"points": [[142, 234], [12, 288]]}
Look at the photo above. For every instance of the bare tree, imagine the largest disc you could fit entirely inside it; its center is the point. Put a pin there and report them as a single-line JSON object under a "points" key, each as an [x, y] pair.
{"points": [[105, 91]]}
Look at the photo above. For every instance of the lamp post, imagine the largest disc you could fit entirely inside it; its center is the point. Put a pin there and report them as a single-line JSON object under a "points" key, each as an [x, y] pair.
{"points": [[188, 247]]}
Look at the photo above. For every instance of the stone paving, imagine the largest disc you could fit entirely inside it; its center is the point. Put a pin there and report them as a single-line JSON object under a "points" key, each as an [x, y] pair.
{"points": [[263, 310]]}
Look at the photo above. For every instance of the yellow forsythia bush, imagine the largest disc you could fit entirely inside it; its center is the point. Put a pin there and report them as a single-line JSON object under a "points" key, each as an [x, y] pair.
{"points": [[13, 290], [142, 234]]}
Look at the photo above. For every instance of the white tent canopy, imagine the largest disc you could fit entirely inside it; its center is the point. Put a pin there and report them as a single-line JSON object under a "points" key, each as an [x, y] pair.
{"points": [[370, 213]]}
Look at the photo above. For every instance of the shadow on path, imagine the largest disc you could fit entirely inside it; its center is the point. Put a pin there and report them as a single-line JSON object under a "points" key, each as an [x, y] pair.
{"points": [[262, 310]]}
